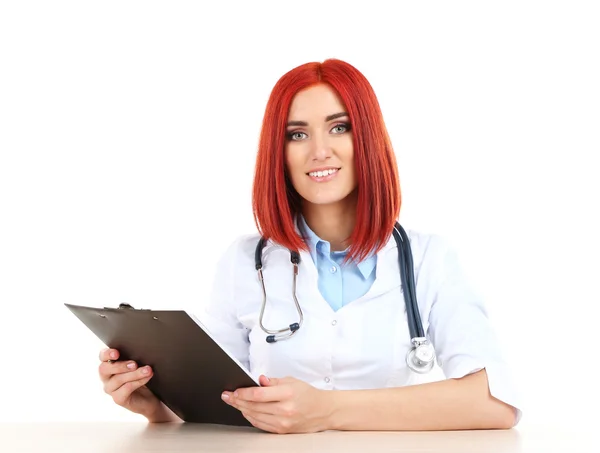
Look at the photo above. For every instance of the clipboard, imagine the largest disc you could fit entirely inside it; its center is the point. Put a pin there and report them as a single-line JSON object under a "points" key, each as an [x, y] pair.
{"points": [[191, 369]]}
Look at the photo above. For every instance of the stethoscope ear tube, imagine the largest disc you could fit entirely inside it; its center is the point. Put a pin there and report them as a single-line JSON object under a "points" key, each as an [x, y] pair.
{"points": [[281, 334], [258, 253]]}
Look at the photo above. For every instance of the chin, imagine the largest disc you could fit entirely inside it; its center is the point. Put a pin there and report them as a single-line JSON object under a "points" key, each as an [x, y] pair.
{"points": [[323, 199], [324, 202]]}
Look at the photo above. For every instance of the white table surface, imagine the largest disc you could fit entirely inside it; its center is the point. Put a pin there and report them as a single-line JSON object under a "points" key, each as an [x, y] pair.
{"points": [[129, 437]]}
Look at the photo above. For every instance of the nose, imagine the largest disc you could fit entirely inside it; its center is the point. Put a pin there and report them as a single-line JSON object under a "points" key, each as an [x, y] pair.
{"points": [[320, 147]]}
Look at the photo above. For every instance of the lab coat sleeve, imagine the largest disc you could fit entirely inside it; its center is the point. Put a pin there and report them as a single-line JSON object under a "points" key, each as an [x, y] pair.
{"points": [[220, 313], [461, 332]]}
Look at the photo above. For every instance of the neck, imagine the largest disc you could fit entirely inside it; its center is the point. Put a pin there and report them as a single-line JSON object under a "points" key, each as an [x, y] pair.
{"points": [[333, 223]]}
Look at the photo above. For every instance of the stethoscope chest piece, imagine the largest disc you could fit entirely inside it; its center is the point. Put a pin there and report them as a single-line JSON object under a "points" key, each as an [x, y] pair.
{"points": [[421, 358]]}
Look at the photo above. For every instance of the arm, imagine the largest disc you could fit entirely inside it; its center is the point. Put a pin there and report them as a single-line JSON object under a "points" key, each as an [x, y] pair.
{"points": [[288, 405], [452, 404], [478, 392]]}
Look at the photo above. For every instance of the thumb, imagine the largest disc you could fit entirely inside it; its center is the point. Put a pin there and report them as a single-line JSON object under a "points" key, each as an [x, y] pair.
{"points": [[267, 382]]}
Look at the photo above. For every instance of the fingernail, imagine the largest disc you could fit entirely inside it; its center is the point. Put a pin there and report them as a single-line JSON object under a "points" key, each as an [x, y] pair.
{"points": [[225, 396], [145, 370], [113, 355], [131, 365]]}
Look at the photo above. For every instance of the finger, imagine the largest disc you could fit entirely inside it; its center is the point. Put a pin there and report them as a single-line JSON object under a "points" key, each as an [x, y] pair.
{"points": [[106, 370], [108, 354], [119, 380], [122, 394], [272, 408], [266, 382], [263, 394]]}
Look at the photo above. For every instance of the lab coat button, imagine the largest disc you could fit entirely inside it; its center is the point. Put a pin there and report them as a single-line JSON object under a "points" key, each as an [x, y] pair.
{"points": [[334, 322], [333, 269], [327, 379]]}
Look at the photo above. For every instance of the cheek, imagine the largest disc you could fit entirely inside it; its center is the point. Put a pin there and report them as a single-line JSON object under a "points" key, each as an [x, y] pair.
{"points": [[293, 165], [347, 150], [347, 156]]}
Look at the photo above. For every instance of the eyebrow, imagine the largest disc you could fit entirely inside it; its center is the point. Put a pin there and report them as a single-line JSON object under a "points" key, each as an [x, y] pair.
{"points": [[328, 118]]}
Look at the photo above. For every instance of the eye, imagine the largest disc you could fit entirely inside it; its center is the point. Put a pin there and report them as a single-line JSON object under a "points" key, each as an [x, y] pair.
{"points": [[296, 135], [340, 128]]}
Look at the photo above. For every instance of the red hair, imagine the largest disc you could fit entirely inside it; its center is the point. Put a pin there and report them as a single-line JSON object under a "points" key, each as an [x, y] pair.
{"points": [[275, 202]]}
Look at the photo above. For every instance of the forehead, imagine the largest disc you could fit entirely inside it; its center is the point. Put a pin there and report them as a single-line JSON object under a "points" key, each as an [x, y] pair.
{"points": [[315, 103]]}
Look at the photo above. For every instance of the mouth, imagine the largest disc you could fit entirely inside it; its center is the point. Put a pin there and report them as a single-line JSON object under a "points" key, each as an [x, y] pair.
{"points": [[323, 175]]}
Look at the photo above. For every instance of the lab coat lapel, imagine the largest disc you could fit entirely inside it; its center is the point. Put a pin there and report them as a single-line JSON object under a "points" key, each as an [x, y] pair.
{"points": [[387, 277]]}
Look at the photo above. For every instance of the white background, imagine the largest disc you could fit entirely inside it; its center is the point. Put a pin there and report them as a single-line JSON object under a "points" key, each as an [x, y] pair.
{"points": [[128, 133]]}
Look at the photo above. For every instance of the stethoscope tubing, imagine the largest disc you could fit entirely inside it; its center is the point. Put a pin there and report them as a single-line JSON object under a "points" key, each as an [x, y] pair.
{"points": [[420, 358], [407, 277]]}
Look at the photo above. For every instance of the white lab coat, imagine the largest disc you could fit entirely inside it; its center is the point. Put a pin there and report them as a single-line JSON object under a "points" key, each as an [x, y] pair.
{"points": [[364, 344]]}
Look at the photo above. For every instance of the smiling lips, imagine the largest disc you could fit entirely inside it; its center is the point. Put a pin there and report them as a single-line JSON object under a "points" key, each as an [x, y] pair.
{"points": [[323, 175]]}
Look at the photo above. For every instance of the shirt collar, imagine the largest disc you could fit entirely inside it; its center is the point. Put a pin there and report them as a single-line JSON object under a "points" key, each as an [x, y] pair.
{"points": [[309, 237], [315, 243]]}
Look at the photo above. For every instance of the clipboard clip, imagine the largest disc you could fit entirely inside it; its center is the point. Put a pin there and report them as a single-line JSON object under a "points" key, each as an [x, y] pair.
{"points": [[126, 306]]}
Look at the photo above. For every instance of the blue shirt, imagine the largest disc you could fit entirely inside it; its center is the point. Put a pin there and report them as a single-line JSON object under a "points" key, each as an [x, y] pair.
{"points": [[339, 283]]}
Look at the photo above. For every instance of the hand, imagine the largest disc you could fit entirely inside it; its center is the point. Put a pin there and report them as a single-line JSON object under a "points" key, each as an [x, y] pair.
{"points": [[285, 405], [125, 382]]}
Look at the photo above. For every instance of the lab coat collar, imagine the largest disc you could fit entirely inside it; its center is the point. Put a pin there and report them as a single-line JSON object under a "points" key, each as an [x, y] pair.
{"points": [[365, 266]]}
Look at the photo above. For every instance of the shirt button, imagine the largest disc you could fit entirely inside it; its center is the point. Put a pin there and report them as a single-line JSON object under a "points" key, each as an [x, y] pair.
{"points": [[334, 322], [327, 380], [333, 269]]}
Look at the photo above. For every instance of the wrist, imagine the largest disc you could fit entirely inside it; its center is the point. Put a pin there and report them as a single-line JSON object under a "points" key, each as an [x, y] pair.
{"points": [[153, 413], [333, 406], [160, 413]]}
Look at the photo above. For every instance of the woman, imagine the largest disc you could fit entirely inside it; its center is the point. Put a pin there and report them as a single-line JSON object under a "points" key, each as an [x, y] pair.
{"points": [[326, 185]]}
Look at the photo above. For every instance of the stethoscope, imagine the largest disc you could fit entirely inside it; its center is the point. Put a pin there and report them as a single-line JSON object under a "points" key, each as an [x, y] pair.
{"points": [[420, 358]]}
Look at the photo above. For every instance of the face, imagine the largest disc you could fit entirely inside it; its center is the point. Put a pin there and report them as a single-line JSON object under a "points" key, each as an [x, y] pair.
{"points": [[319, 152]]}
